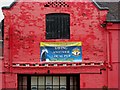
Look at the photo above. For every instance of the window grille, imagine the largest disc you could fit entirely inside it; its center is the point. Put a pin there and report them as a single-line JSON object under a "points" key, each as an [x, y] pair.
{"points": [[56, 3], [58, 82], [57, 26]]}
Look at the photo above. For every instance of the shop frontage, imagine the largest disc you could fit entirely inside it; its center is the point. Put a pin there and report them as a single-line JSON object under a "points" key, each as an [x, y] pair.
{"points": [[58, 45], [48, 82]]}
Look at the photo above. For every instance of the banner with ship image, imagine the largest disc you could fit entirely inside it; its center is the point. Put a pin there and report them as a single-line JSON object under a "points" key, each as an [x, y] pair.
{"points": [[61, 51]]}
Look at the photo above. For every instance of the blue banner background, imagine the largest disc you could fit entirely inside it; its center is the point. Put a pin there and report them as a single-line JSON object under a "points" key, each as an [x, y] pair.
{"points": [[61, 53]]}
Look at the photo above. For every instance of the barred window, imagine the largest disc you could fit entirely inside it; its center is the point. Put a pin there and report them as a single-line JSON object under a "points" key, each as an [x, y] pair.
{"points": [[48, 82], [58, 26]]}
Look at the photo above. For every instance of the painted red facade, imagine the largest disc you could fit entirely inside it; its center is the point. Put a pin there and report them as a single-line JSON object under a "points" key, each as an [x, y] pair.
{"points": [[25, 28]]}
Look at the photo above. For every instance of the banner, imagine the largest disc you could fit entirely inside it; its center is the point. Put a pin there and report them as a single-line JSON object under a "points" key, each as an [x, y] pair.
{"points": [[61, 51]]}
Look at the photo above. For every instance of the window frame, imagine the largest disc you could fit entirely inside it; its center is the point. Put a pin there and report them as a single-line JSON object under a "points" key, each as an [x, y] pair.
{"points": [[45, 86], [57, 26]]}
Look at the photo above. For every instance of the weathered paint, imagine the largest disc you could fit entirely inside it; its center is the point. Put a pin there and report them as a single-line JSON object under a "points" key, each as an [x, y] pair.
{"points": [[27, 25], [25, 28], [113, 75]]}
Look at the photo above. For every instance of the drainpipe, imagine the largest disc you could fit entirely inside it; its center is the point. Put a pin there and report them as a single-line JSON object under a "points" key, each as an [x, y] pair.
{"points": [[109, 61], [10, 46], [11, 50], [109, 50]]}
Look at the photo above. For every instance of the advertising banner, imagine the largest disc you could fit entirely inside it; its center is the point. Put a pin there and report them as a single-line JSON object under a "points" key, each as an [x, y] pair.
{"points": [[61, 51]]}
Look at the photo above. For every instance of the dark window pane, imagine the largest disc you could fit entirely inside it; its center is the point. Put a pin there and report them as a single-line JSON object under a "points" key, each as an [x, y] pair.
{"points": [[22, 82], [0, 49], [1, 37], [58, 26]]}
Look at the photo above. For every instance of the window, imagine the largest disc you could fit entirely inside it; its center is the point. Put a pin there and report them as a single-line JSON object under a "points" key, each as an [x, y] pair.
{"points": [[1, 37], [22, 82], [57, 26], [58, 82]]}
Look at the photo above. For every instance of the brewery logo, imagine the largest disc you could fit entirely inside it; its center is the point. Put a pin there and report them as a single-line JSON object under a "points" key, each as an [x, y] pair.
{"points": [[76, 52]]}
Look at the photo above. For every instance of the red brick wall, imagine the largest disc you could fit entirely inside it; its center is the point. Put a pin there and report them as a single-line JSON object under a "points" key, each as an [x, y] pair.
{"points": [[25, 28]]}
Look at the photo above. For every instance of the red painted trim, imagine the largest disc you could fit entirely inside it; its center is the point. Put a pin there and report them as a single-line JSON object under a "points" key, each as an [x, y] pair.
{"points": [[58, 70], [113, 26]]}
